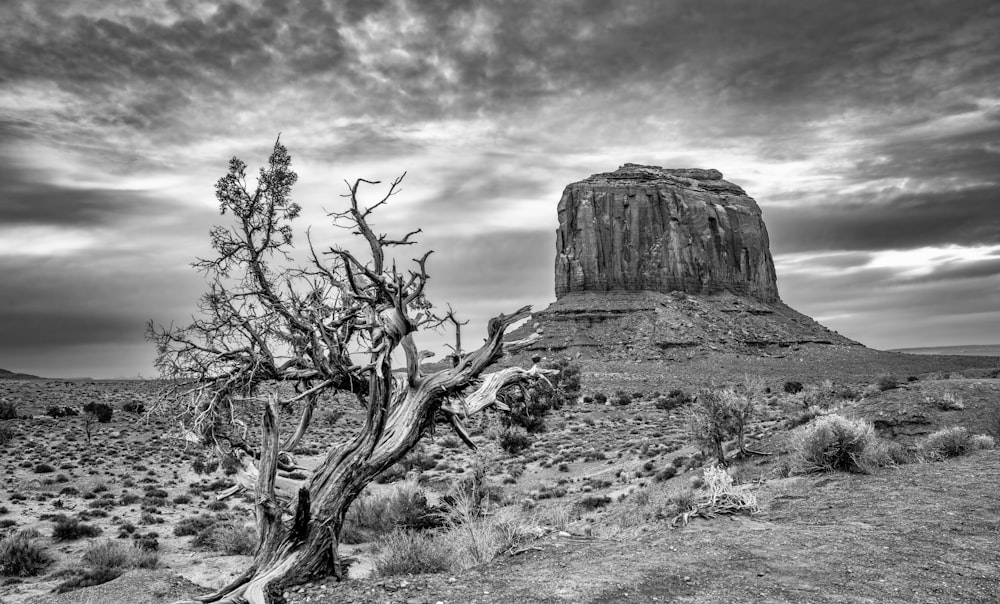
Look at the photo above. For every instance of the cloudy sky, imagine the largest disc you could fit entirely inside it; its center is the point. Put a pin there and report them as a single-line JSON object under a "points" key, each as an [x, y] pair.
{"points": [[869, 132]]}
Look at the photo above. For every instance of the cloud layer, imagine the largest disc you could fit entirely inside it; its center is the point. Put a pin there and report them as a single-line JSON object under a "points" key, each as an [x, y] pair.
{"points": [[868, 132]]}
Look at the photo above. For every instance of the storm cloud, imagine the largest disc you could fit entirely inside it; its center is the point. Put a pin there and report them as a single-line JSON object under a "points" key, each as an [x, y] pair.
{"points": [[868, 132]]}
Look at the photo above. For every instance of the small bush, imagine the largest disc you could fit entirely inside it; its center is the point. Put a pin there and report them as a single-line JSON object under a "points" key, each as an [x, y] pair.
{"points": [[835, 443], [118, 555], [56, 412], [720, 414], [6, 435], [8, 410], [949, 401], [900, 455], [666, 474], [674, 399], [803, 417], [953, 442], [600, 398], [231, 538], [592, 502], [193, 525], [404, 552], [108, 560], [69, 529], [793, 387], [514, 441], [44, 468], [887, 381], [405, 507], [622, 398], [101, 411], [21, 555], [134, 407]]}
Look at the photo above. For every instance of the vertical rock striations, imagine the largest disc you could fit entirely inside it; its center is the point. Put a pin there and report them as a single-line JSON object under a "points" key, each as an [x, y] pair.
{"points": [[665, 265], [646, 228]]}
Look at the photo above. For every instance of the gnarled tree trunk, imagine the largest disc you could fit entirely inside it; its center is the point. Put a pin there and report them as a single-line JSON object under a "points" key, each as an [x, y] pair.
{"points": [[302, 544]]}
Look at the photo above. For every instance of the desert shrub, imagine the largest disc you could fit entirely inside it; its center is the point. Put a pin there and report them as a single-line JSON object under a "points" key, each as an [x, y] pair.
{"points": [[68, 528], [622, 398], [803, 417], [792, 387], [887, 381], [404, 552], [718, 415], [44, 468], [478, 534], [983, 441], [57, 411], [592, 502], [235, 539], [107, 554], [405, 507], [949, 401], [8, 410], [101, 411], [600, 398], [567, 381], [953, 442], [134, 407], [899, 455], [108, 560], [666, 474], [674, 399], [513, 441], [193, 525], [835, 443], [148, 542], [21, 555], [229, 465], [6, 435], [231, 538]]}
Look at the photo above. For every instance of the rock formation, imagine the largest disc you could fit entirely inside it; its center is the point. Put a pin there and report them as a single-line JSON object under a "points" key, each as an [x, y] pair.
{"points": [[662, 264], [645, 228]]}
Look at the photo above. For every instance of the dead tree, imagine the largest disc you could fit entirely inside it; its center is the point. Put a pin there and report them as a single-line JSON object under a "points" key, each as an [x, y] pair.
{"points": [[331, 324]]}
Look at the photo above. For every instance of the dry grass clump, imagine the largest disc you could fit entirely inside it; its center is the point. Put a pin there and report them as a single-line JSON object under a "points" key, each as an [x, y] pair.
{"points": [[473, 534], [404, 552], [834, 443], [949, 401], [405, 507], [230, 538], [107, 560], [69, 528], [21, 555], [479, 534], [953, 442]]}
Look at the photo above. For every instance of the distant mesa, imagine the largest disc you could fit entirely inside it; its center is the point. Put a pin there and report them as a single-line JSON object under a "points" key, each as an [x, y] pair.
{"points": [[657, 263], [646, 228], [10, 375]]}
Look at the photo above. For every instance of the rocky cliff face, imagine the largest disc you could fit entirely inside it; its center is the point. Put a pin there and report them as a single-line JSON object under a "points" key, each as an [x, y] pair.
{"points": [[646, 228], [665, 265]]}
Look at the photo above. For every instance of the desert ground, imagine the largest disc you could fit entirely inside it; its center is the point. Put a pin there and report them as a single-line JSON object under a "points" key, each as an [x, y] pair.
{"points": [[592, 505]]}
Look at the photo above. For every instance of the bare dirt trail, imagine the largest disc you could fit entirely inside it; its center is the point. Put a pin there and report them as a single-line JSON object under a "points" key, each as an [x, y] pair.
{"points": [[917, 533]]}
